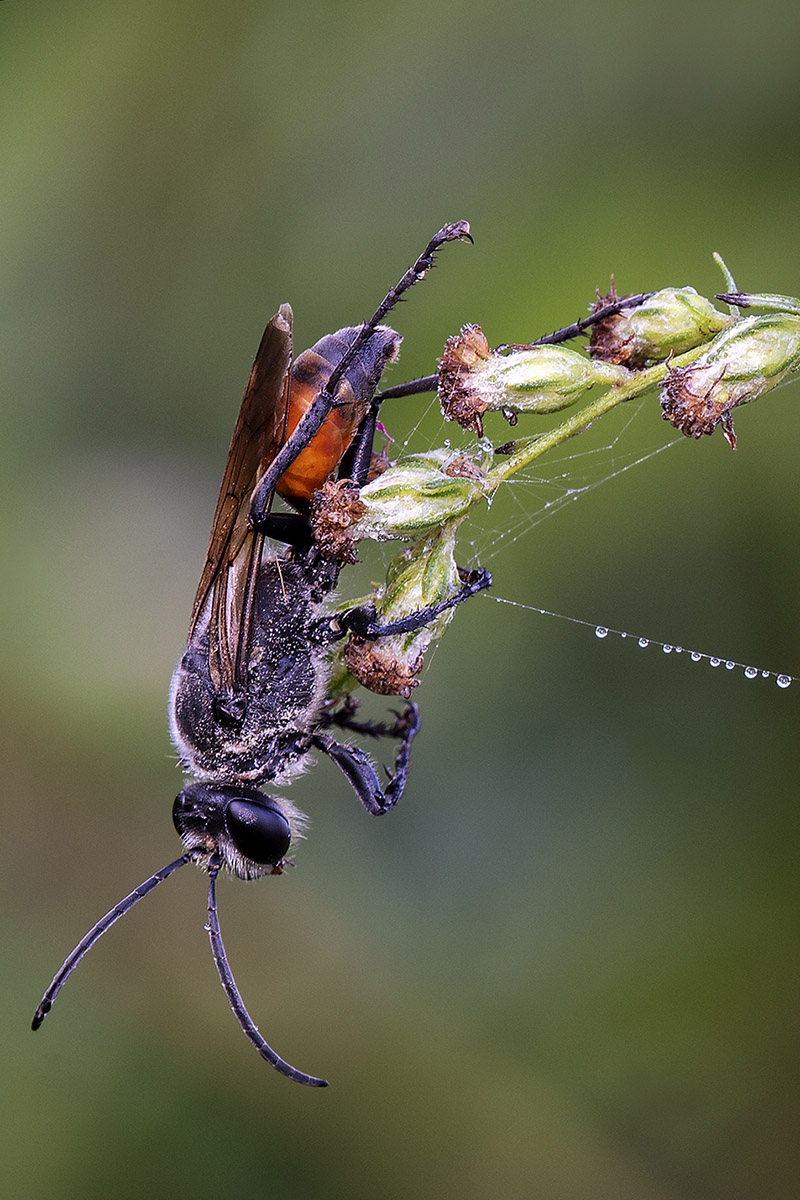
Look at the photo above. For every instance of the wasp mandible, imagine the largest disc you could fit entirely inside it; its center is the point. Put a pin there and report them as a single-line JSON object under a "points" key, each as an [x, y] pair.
{"points": [[249, 700]]}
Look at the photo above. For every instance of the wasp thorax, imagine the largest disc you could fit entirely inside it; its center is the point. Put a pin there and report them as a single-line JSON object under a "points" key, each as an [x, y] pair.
{"points": [[247, 828]]}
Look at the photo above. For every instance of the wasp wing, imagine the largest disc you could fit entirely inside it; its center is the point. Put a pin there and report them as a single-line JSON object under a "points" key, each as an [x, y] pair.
{"points": [[234, 550]]}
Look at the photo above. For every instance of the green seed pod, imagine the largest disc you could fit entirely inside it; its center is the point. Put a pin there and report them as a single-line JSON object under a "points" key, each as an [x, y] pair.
{"points": [[415, 496], [473, 379], [748, 359], [671, 321], [423, 575]]}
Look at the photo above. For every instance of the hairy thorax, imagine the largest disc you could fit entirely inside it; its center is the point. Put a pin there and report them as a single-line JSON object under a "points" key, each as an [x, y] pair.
{"points": [[257, 729]]}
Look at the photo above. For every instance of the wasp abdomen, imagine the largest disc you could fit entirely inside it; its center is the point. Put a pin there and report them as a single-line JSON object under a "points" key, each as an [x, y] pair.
{"points": [[309, 376]]}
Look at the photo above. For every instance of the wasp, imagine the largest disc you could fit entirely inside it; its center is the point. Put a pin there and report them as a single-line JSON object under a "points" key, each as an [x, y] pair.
{"points": [[249, 700]]}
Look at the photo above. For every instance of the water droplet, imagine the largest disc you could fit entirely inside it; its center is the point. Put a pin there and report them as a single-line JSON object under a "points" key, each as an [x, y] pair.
{"points": [[679, 649], [623, 635], [644, 642], [667, 648], [714, 662], [783, 681], [696, 656], [729, 665], [601, 631], [750, 672]]}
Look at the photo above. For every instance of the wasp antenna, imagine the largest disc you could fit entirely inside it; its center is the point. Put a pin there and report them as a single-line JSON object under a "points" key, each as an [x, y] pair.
{"points": [[234, 997], [86, 942]]}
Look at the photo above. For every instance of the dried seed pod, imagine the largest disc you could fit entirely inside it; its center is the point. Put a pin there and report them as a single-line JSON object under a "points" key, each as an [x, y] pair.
{"points": [[742, 363], [473, 379], [671, 321]]}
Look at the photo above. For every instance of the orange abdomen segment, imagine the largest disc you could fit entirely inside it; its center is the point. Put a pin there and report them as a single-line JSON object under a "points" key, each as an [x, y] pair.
{"points": [[322, 456], [310, 373]]}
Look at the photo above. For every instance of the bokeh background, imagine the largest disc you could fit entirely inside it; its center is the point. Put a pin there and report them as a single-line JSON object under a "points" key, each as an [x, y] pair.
{"points": [[567, 965]]}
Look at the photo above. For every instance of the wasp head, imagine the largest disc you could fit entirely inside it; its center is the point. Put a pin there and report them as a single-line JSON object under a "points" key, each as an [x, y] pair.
{"points": [[245, 827]]}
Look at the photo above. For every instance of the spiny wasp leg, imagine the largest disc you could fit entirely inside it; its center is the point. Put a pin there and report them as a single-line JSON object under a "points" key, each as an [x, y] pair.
{"points": [[360, 773], [364, 622], [344, 717], [325, 400]]}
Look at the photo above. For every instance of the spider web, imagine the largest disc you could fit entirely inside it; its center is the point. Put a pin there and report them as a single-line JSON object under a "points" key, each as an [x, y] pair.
{"points": [[555, 482]]}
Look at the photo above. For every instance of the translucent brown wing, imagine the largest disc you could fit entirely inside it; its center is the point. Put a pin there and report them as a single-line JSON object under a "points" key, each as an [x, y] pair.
{"points": [[233, 548]]}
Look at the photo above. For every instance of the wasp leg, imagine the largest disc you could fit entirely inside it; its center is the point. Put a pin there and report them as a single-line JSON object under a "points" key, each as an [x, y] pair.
{"points": [[361, 774], [357, 461], [364, 621], [325, 400], [344, 717], [291, 528]]}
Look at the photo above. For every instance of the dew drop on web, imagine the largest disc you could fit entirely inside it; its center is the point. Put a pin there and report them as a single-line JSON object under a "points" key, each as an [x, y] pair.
{"points": [[750, 672], [714, 662], [783, 681], [601, 631], [644, 642], [696, 656]]}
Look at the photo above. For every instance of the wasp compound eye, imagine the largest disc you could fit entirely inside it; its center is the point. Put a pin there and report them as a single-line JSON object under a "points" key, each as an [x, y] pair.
{"points": [[259, 831]]}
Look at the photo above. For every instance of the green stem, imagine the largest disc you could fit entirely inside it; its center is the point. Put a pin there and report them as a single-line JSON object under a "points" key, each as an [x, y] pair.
{"points": [[527, 449]]}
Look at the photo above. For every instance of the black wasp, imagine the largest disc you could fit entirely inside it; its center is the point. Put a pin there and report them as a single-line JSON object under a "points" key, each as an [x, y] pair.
{"points": [[249, 698]]}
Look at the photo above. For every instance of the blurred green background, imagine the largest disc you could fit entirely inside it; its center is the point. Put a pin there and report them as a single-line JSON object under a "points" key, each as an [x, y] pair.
{"points": [[567, 965]]}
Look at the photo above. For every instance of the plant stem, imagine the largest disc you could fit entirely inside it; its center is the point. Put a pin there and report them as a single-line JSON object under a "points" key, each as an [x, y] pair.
{"points": [[527, 449]]}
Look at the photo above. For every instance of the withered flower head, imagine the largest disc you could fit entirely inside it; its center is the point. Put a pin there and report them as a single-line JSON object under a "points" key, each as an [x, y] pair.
{"points": [[671, 321], [379, 668], [461, 401], [741, 364], [696, 401], [335, 509]]}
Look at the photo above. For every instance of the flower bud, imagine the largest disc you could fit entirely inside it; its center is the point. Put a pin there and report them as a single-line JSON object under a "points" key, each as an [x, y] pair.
{"points": [[669, 322], [414, 496], [423, 575], [474, 379], [748, 359]]}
